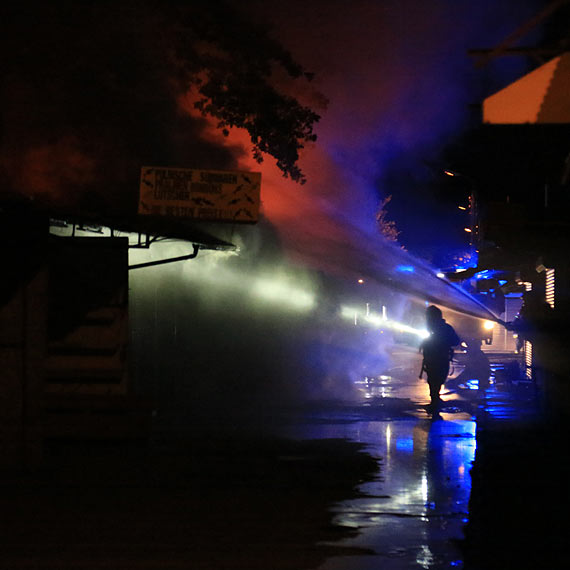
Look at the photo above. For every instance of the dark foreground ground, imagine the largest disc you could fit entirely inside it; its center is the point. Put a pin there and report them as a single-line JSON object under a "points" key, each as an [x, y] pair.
{"points": [[243, 501], [519, 510], [255, 503]]}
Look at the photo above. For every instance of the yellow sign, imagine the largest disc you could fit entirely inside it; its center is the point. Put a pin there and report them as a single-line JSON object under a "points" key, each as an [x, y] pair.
{"points": [[212, 195]]}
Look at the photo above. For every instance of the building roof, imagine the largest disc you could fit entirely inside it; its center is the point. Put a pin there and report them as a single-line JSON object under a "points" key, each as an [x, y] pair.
{"points": [[540, 96], [198, 233]]}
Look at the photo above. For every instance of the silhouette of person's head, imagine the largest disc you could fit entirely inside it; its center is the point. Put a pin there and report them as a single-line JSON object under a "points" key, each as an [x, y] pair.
{"points": [[433, 317]]}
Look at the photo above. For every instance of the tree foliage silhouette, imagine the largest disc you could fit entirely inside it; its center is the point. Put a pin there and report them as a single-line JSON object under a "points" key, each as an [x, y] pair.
{"points": [[90, 73]]}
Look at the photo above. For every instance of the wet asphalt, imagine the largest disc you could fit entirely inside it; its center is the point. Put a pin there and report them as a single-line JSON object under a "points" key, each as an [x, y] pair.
{"points": [[413, 515], [372, 481]]}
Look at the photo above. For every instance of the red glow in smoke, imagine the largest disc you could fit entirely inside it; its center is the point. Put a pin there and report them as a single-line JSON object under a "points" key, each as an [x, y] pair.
{"points": [[56, 171], [306, 216]]}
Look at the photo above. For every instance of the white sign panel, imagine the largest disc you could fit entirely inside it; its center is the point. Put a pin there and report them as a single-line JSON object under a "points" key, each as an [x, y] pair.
{"points": [[212, 195]]}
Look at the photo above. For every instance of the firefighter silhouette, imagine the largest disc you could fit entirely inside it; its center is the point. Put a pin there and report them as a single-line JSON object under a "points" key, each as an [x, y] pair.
{"points": [[437, 352]]}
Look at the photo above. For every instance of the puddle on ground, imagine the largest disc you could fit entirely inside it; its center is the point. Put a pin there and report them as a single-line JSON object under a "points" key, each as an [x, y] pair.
{"points": [[414, 512], [419, 504]]}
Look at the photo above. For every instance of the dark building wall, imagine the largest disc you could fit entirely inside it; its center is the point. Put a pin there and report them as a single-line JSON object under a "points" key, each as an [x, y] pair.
{"points": [[22, 350]]}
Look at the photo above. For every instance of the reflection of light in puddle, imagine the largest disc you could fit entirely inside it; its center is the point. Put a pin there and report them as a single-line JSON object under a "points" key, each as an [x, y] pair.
{"points": [[424, 487], [420, 501], [405, 444], [425, 558], [375, 386]]}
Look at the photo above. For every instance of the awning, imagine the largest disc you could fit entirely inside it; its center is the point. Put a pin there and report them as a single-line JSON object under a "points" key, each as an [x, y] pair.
{"points": [[176, 228], [542, 96], [18, 207]]}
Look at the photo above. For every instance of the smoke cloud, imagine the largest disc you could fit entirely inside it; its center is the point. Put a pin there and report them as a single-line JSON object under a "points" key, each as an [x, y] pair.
{"points": [[399, 83], [221, 331], [230, 336], [88, 97]]}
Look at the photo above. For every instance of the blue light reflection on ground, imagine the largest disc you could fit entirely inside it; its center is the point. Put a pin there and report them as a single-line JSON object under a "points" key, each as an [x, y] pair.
{"points": [[420, 503], [412, 516], [417, 508], [405, 444]]}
